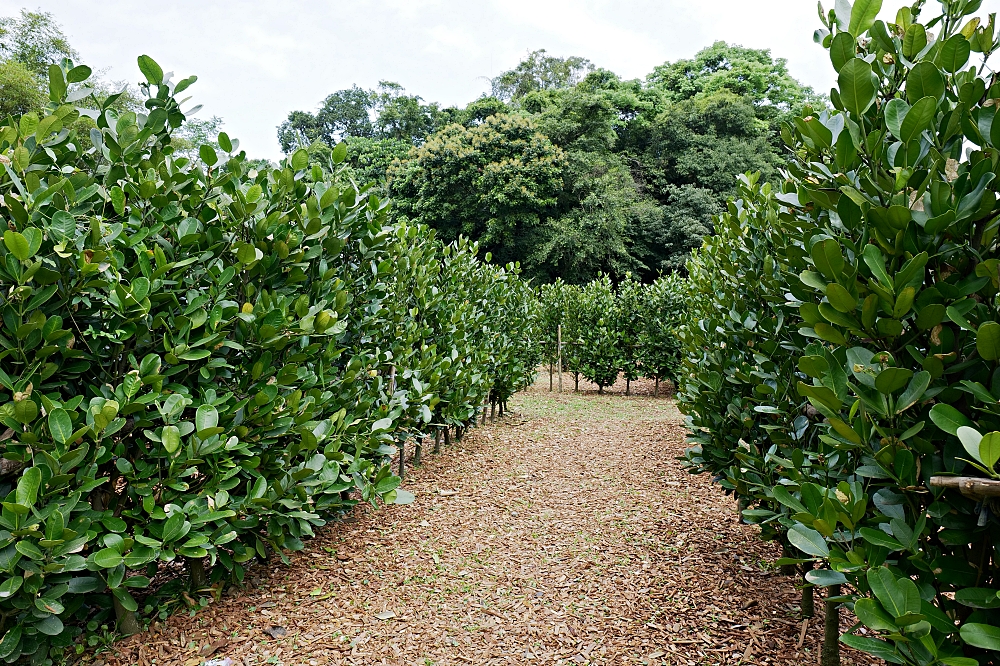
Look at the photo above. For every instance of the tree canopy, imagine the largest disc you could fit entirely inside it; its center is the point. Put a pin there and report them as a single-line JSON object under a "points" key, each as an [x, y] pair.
{"points": [[565, 166]]}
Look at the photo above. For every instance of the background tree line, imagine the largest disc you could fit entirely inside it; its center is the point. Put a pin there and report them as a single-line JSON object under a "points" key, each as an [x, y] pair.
{"points": [[566, 167]]}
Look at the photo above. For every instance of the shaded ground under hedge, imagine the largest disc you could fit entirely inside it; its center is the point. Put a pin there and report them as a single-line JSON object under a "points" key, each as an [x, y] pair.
{"points": [[567, 533]]}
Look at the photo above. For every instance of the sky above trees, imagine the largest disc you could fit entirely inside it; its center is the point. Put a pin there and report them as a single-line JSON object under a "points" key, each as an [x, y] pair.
{"points": [[257, 60]]}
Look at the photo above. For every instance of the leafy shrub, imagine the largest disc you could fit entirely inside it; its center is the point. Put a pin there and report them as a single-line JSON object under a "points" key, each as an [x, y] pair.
{"points": [[663, 308], [845, 349], [632, 329], [203, 362]]}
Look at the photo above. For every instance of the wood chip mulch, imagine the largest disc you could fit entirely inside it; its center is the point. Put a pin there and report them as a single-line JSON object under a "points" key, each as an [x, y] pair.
{"points": [[566, 533]]}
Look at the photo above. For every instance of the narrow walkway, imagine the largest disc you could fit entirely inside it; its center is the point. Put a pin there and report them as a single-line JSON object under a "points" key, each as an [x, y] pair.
{"points": [[566, 534]]}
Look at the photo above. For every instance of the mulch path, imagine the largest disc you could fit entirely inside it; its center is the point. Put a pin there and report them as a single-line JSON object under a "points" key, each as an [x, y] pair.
{"points": [[566, 533]]}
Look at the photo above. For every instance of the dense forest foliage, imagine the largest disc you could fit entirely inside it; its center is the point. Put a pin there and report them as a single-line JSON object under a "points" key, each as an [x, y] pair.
{"points": [[566, 167]]}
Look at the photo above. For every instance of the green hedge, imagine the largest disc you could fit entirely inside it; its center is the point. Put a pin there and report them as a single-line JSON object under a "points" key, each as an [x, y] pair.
{"points": [[844, 358], [201, 362], [630, 328]]}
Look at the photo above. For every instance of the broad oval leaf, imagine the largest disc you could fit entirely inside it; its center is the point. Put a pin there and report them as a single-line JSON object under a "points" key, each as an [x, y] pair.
{"points": [[981, 635], [948, 418], [808, 540], [858, 86]]}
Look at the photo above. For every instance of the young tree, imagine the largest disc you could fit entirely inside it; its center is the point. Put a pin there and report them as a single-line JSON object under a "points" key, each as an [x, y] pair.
{"points": [[600, 338]]}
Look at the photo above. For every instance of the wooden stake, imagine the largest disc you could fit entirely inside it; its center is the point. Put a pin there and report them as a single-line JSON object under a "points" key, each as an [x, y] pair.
{"points": [[559, 354]]}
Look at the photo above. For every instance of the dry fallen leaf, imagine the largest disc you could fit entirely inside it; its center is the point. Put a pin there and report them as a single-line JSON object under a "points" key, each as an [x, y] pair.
{"points": [[630, 554]]}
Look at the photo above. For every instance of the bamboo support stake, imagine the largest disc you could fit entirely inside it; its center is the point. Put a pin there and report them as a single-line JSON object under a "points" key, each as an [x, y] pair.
{"points": [[973, 487]]}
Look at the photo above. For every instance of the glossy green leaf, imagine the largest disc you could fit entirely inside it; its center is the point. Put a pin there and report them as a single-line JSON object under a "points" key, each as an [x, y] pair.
{"points": [[28, 486], [108, 558], [948, 418], [954, 53], [981, 635], [842, 49], [988, 340], [857, 85], [914, 40], [17, 244], [924, 80], [151, 70], [808, 540], [918, 118]]}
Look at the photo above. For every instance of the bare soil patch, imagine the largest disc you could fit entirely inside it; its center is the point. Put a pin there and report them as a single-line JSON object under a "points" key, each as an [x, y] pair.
{"points": [[567, 533]]}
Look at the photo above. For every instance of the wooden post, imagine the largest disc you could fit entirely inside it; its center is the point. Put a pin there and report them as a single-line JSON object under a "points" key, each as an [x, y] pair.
{"points": [[559, 354], [402, 461]]}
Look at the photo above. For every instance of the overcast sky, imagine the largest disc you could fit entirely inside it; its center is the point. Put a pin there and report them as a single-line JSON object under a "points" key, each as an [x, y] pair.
{"points": [[257, 60]]}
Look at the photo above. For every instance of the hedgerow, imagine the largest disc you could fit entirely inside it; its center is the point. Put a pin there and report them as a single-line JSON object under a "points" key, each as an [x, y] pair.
{"points": [[842, 374], [202, 362], [629, 329]]}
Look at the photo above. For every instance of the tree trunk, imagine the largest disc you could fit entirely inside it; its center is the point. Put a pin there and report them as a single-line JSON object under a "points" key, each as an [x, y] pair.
{"points": [[418, 449], [830, 655], [128, 624], [493, 412], [807, 606], [787, 569], [576, 381], [628, 386], [437, 440], [447, 436], [656, 388], [197, 573], [600, 389], [459, 433], [550, 376]]}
